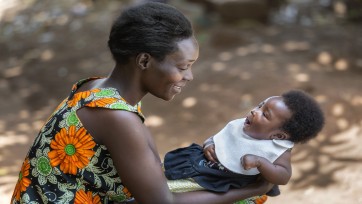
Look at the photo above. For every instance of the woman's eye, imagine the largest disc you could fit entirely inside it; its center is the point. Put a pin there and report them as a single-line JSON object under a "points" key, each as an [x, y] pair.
{"points": [[183, 67]]}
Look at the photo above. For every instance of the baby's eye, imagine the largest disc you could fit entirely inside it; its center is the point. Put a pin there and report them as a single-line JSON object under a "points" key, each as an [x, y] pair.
{"points": [[266, 115]]}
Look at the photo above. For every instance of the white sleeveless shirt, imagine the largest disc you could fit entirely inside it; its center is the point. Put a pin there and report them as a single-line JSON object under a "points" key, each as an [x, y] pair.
{"points": [[231, 143]]}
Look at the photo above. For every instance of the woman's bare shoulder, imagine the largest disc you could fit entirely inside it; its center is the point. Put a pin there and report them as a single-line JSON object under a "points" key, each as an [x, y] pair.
{"points": [[106, 124]]}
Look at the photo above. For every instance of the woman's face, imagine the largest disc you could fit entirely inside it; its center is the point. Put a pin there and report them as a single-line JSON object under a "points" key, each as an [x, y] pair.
{"points": [[265, 120], [165, 79]]}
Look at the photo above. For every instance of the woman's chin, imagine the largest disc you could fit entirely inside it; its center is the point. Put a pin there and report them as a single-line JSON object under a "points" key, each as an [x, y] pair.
{"points": [[166, 98]]}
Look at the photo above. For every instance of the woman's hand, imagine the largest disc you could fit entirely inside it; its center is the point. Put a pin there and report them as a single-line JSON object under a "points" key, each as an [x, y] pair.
{"points": [[209, 152], [262, 185]]}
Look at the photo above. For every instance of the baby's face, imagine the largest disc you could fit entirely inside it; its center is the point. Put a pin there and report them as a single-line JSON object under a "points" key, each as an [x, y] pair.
{"points": [[265, 120]]}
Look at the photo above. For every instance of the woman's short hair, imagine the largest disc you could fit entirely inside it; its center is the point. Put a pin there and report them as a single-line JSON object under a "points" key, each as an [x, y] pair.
{"points": [[152, 28]]}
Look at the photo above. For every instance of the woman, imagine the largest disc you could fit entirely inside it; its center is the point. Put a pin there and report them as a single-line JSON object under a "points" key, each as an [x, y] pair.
{"points": [[95, 148]]}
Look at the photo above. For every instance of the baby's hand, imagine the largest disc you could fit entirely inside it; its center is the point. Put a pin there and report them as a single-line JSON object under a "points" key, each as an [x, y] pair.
{"points": [[249, 161], [209, 153]]}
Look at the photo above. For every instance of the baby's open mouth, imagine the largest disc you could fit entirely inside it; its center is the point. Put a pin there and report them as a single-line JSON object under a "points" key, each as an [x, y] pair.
{"points": [[247, 121]]}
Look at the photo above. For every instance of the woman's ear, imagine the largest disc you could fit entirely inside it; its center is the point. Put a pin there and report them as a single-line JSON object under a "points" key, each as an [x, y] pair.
{"points": [[143, 60], [279, 135]]}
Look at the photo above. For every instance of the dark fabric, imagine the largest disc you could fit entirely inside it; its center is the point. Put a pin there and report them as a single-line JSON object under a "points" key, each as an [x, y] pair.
{"points": [[274, 191], [190, 162]]}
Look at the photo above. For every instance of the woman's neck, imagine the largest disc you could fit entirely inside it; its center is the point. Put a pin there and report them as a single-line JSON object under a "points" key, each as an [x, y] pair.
{"points": [[126, 80]]}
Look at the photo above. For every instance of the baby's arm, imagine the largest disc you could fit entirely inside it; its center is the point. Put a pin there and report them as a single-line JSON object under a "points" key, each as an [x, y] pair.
{"points": [[278, 172], [209, 150]]}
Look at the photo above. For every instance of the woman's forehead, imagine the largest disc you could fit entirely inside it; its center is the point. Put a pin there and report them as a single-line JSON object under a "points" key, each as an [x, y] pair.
{"points": [[188, 50]]}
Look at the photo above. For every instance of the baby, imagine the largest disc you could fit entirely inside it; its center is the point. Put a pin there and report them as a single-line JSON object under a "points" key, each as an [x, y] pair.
{"points": [[259, 144]]}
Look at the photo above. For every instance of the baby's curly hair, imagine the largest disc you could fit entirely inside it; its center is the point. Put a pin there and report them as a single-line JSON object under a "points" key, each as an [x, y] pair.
{"points": [[307, 118]]}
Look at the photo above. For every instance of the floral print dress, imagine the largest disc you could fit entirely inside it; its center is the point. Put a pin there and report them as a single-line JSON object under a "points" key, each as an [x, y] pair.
{"points": [[65, 164]]}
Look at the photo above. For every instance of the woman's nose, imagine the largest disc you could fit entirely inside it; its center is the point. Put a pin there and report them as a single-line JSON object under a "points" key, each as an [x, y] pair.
{"points": [[188, 75]]}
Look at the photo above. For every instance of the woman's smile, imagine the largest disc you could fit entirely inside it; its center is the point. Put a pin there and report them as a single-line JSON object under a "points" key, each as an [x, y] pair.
{"points": [[177, 88]]}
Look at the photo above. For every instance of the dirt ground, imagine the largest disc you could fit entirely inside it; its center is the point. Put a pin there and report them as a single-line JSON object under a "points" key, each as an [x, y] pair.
{"points": [[45, 46]]}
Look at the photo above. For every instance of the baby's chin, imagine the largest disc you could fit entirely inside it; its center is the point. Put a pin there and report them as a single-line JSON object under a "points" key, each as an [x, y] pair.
{"points": [[246, 130], [246, 127]]}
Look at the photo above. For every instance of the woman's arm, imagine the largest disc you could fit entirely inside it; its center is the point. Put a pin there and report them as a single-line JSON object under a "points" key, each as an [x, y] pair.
{"points": [[234, 195], [231, 196], [137, 162], [278, 172]]}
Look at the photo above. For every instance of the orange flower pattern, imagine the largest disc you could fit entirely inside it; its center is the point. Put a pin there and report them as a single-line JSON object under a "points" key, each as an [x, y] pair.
{"points": [[79, 96], [126, 192], [65, 164], [81, 197], [71, 150], [23, 181], [261, 199], [254, 200], [101, 102]]}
